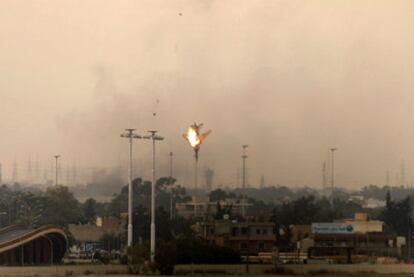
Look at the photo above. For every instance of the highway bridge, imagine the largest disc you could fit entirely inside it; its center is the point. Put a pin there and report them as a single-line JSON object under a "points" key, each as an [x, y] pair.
{"points": [[31, 246]]}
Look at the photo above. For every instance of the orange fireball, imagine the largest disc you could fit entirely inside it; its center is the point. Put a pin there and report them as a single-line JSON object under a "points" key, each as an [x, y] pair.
{"points": [[194, 137]]}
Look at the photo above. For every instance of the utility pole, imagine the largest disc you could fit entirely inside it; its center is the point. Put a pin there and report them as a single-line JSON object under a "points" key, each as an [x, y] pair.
{"points": [[37, 169], [244, 157], [129, 133], [15, 172], [170, 184], [324, 179], [153, 137], [332, 175], [387, 178], [56, 168], [402, 178]]}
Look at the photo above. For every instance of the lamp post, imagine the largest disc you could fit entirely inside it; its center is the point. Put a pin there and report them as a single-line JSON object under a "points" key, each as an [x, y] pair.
{"points": [[129, 133], [56, 163], [244, 157], [153, 136], [170, 184], [332, 175]]}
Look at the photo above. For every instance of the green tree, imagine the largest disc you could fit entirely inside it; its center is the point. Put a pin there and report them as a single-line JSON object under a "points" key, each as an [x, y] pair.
{"points": [[300, 211], [166, 257], [89, 209], [61, 207], [397, 215], [217, 195]]}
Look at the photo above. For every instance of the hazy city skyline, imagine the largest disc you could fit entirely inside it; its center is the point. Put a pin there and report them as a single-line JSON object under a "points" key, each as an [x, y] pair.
{"points": [[290, 78]]}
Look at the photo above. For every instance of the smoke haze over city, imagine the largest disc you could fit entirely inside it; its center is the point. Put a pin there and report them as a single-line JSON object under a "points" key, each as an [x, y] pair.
{"points": [[290, 78]]}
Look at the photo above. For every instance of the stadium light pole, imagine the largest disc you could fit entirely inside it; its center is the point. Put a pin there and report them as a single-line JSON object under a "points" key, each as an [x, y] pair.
{"points": [[332, 175], [153, 136], [129, 133], [170, 184], [244, 157], [56, 163]]}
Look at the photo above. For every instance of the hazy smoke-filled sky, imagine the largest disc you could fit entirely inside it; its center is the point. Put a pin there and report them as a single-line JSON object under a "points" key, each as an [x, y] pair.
{"points": [[290, 78]]}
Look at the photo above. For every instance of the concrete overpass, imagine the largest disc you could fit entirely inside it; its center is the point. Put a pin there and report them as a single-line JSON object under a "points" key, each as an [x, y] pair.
{"points": [[23, 246]]}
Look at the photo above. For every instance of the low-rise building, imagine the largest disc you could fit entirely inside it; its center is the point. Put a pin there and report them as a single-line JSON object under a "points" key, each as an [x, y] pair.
{"points": [[362, 224], [244, 237], [88, 236], [372, 203], [110, 224], [202, 207], [353, 239]]}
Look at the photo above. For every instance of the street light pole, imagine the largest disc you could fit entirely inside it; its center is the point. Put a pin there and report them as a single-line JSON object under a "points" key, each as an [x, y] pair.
{"points": [[332, 175], [170, 184], [153, 137], [56, 158], [129, 133], [244, 157]]}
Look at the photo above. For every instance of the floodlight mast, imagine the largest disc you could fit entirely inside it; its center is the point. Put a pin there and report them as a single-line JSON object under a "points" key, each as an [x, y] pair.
{"points": [[56, 158], [196, 168], [244, 157], [129, 133], [153, 136], [332, 176], [170, 183]]}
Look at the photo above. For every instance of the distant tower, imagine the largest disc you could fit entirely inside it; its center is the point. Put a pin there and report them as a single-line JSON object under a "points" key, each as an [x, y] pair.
{"points": [[15, 172], [45, 176], [262, 182], [29, 176], [51, 171], [247, 177], [74, 174], [37, 170], [332, 176], [68, 177], [387, 178], [402, 172], [238, 182], [59, 170], [209, 174], [324, 178]]}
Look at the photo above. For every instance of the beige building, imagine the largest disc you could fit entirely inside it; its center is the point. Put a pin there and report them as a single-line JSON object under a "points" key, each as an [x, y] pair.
{"points": [[360, 239], [202, 207], [110, 224], [94, 232], [362, 224], [244, 237]]}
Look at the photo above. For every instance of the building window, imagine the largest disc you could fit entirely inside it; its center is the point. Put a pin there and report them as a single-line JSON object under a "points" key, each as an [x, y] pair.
{"points": [[264, 231], [244, 231], [234, 231], [261, 245], [257, 231], [211, 231], [243, 245]]}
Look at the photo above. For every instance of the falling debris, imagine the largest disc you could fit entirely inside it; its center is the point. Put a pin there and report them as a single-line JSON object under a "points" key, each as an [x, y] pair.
{"points": [[154, 113]]}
